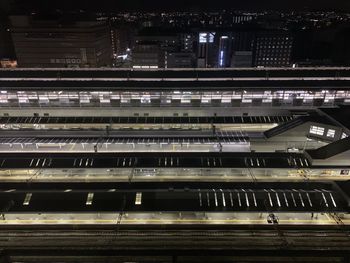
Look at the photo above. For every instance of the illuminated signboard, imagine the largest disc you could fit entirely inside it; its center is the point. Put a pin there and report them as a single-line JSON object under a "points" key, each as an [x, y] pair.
{"points": [[206, 37]]}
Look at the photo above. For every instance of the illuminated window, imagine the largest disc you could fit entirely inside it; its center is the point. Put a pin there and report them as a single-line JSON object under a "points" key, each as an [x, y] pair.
{"points": [[316, 130], [27, 199], [138, 198], [330, 133], [344, 135], [89, 198]]}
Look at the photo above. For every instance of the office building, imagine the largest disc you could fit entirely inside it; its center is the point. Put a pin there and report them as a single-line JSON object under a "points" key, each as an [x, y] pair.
{"points": [[187, 42], [206, 51], [124, 39], [150, 45], [243, 40], [180, 60], [6, 46], [272, 49], [242, 59], [54, 44], [225, 51], [147, 54]]}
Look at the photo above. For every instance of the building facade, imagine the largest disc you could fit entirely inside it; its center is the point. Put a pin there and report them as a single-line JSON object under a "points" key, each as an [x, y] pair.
{"points": [[272, 49], [180, 60], [52, 44], [147, 54]]}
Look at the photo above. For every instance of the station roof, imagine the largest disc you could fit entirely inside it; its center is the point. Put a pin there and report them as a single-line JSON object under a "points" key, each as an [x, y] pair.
{"points": [[145, 119], [175, 79]]}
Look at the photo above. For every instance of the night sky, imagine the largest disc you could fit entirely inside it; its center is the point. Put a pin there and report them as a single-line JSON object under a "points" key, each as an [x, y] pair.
{"points": [[183, 5]]}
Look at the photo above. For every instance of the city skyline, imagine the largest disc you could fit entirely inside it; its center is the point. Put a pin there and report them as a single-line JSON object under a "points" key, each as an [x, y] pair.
{"points": [[182, 5]]}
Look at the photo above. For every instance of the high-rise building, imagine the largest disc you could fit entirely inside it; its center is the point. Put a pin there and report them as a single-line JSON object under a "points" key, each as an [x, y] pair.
{"points": [[242, 48], [214, 49], [6, 45], [272, 49], [206, 50], [187, 41], [147, 54], [180, 60], [341, 48], [124, 39], [224, 51], [243, 39], [151, 45], [241, 59], [114, 42], [42, 43]]}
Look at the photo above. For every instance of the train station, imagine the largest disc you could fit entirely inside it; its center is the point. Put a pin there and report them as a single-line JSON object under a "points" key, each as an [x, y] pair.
{"points": [[142, 163]]}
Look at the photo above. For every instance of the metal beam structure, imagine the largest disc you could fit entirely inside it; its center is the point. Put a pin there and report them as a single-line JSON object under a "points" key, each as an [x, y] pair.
{"points": [[152, 160], [178, 197]]}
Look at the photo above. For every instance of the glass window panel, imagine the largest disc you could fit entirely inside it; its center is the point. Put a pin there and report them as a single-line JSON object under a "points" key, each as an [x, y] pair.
{"points": [[331, 133], [317, 130]]}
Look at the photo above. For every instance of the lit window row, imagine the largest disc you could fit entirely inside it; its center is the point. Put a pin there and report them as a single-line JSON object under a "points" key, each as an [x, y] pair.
{"points": [[330, 133], [317, 130], [324, 97]]}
